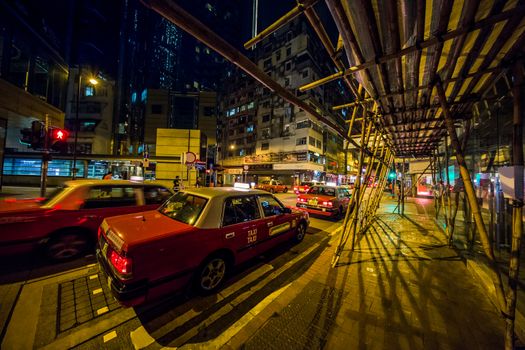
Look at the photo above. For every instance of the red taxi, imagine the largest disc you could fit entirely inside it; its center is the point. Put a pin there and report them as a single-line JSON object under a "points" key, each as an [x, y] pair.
{"points": [[194, 239], [65, 224], [305, 186], [325, 200]]}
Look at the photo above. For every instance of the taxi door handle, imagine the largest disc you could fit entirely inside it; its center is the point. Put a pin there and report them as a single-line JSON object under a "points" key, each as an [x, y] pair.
{"points": [[270, 224], [230, 235]]}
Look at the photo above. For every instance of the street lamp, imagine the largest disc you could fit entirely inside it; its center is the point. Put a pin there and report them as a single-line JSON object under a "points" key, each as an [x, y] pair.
{"points": [[92, 81]]}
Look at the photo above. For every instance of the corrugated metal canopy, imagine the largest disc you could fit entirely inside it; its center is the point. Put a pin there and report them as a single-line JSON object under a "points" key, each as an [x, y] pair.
{"points": [[398, 49]]}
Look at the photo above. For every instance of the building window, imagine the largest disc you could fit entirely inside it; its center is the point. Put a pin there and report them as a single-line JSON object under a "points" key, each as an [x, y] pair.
{"points": [[265, 134], [90, 91], [303, 124], [288, 51], [156, 109], [287, 81], [300, 141], [266, 118], [288, 65], [265, 146], [278, 55], [197, 49], [319, 144], [267, 63], [305, 73], [289, 36], [251, 104], [249, 128], [240, 130], [311, 141]]}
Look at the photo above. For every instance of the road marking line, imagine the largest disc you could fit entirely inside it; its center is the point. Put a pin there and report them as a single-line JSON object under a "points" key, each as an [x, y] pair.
{"points": [[109, 336], [91, 265], [102, 310], [141, 338], [97, 291], [92, 277], [181, 341]]}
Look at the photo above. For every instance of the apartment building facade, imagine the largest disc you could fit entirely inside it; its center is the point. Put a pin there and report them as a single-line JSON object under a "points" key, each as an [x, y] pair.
{"points": [[261, 135]]}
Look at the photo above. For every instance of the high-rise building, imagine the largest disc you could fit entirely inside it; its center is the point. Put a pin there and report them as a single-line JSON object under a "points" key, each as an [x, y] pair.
{"points": [[157, 60], [264, 136]]}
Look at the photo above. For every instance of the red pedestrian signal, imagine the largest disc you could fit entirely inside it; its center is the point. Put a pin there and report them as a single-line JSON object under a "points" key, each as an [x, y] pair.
{"points": [[58, 139], [59, 135]]}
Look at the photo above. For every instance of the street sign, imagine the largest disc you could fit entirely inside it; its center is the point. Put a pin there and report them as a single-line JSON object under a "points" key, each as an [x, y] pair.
{"points": [[190, 158]]}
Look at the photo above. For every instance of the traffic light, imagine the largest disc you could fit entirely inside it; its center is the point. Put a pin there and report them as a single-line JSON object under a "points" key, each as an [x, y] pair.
{"points": [[58, 139], [33, 137]]}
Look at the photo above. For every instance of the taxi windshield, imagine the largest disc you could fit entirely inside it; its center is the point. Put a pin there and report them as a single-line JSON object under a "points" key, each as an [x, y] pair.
{"points": [[183, 207], [325, 191]]}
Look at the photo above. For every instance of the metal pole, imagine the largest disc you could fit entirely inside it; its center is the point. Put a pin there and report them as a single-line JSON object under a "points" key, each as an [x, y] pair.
{"points": [[471, 196], [79, 80], [45, 159]]}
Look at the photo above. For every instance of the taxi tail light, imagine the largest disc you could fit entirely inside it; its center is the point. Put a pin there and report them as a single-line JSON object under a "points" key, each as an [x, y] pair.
{"points": [[99, 232], [328, 204], [121, 264], [302, 200]]}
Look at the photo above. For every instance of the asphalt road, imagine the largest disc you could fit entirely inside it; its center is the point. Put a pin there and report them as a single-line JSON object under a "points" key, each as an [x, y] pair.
{"points": [[69, 305]]}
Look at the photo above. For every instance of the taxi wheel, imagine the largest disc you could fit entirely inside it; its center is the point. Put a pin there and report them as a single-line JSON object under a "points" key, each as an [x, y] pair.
{"points": [[300, 233], [67, 245], [340, 213], [212, 274]]}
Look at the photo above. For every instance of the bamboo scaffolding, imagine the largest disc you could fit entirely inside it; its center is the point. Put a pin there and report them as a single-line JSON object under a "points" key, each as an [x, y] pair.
{"points": [[471, 196], [436, 40], [517, 208]]}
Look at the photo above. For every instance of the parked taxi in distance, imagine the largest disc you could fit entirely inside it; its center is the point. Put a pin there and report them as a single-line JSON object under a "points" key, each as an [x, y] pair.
{"points": [[194, 239], [65, 224], [272, 186], [325, 200]]}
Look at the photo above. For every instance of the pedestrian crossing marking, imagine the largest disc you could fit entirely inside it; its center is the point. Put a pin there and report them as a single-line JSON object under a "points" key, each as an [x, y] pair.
{"points": [[102, 310], [109, 336], [97, 291]]}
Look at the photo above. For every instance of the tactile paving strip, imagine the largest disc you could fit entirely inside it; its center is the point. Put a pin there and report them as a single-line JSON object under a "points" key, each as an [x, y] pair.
{"points": [[82, 300]]}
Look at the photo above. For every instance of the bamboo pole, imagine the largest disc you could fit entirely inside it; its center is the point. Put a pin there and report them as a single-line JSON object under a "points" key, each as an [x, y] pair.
{"points": [[471, 196], [517, 206], [358, 184]]}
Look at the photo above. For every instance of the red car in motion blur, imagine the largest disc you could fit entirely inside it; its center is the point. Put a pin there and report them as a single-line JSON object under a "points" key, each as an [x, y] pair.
{"points": [[65, 224], [324, 200]]}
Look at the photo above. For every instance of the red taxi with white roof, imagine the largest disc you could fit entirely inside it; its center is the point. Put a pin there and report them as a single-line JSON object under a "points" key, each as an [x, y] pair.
{"points": [[304, 186], [325, 200], [65, 224], [194, 239]]}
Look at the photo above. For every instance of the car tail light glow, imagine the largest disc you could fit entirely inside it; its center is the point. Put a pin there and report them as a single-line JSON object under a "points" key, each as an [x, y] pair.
{"points": [[121, 263], [328, 203], [302, 200]]}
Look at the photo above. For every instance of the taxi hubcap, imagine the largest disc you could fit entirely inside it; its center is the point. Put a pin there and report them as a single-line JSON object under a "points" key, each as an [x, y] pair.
{"points": [[213, 273]]}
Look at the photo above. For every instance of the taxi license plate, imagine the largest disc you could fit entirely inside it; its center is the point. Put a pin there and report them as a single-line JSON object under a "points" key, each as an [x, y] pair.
{"points": [[312, 202]]}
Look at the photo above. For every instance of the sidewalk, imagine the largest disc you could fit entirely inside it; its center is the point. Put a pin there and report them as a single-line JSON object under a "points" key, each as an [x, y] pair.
{"points": [[401, 288]]}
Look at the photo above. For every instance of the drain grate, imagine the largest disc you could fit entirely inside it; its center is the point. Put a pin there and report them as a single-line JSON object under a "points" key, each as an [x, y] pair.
{"points": [[82, 300]]}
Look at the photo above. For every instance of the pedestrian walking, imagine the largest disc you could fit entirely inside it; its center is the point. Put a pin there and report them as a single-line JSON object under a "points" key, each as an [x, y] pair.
{"points": [[198, 182]]}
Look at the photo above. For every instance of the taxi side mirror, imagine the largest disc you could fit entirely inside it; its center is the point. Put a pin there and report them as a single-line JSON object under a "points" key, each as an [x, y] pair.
{"points": [[287, 211]]}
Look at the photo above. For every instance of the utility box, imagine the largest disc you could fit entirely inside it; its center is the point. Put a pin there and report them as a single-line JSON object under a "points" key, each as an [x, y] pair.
{"points": [[512, 181]]}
